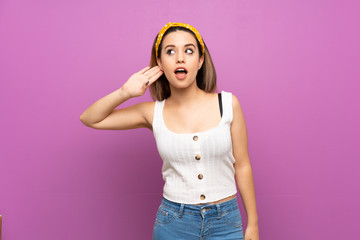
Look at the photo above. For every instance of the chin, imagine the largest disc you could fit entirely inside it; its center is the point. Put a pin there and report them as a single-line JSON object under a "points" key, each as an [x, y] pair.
{"points": [[181, 84]]}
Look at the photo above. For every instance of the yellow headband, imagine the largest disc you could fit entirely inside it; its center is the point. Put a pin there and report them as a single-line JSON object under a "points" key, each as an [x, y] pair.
{"points": [[174, 24]]}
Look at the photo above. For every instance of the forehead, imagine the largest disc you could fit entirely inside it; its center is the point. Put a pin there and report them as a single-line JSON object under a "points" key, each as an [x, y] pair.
{"points": [[179, 38]]}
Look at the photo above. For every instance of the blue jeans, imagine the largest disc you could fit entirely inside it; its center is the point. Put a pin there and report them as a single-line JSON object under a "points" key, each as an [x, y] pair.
{"points": [[175, 221]]}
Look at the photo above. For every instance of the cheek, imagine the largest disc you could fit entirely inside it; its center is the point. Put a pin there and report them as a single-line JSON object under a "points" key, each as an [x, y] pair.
{"points": [[168, 69], [168, 73]]}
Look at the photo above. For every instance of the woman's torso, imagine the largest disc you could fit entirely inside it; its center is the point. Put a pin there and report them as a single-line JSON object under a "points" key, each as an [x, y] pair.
{"points": [[200, 118]]}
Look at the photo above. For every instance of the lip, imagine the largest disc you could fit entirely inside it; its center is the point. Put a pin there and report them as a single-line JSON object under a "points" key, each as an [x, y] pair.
{"points": [[182, 77], [181, 67]]}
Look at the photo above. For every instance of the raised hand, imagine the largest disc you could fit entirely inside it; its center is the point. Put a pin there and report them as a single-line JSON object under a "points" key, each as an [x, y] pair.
{"points": [[136, 85]]}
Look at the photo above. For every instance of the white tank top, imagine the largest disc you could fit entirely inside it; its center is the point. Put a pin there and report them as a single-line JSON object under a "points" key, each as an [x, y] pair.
{"points": [[197, 167]]}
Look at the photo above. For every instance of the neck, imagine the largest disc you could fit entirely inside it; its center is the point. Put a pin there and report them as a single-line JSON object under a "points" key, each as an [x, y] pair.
{"points": [[186, 96]]}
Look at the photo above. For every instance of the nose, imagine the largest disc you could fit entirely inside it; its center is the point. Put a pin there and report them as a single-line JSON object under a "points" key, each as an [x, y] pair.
{"points": [[180, 57]]}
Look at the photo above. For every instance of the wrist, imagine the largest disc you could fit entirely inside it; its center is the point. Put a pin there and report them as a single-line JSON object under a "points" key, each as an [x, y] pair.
{"points": [[253, 222], [123, 93]]}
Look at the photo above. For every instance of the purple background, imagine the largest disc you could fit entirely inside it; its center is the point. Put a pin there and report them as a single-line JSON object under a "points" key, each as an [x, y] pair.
{"points": [[294, 66]]}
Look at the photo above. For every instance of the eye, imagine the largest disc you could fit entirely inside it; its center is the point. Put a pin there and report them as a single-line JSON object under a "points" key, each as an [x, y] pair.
{"points": [[190, 50], [168, 51]]}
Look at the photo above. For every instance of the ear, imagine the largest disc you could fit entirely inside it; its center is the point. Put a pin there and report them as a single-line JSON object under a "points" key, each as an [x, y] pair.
{"points": [[201, 61], [159, 63]]}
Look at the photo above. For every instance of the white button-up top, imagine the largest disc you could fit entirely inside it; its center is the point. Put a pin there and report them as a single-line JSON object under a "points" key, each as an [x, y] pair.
{"points": [[197, 167]]}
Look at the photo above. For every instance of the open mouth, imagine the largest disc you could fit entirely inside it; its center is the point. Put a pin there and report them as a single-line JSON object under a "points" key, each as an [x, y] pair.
{"points": [[180, 73]]}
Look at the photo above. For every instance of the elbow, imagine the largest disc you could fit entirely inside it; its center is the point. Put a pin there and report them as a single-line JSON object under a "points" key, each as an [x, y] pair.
{"points": [[82, 119], [85, 122], [90, 125]]}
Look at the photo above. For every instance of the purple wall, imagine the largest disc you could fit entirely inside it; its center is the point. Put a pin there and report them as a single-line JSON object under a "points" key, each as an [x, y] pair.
{"points": [[292, 64]]}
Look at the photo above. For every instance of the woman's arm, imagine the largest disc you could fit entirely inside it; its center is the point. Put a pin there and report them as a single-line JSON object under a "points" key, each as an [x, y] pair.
{"points": [[102, 115], [243, 171]]}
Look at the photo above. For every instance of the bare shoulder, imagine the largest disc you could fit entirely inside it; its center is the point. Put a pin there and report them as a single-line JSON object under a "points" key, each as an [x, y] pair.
{"points": [[237, 109], [235, 102]]}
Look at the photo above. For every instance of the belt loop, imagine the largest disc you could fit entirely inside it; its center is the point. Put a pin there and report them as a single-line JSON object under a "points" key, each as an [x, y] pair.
{"points": [[218, 210], [181, 210]]}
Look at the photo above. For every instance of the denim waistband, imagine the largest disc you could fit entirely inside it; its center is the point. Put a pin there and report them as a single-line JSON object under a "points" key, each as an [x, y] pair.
{"points": [[183, 208]]}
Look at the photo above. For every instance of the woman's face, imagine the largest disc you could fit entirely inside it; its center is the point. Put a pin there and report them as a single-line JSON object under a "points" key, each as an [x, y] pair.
{"points": [[179, 50]]}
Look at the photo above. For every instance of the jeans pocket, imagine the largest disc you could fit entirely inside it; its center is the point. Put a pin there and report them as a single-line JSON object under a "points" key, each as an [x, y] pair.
{"points": [[165, 214], [233, 218]]}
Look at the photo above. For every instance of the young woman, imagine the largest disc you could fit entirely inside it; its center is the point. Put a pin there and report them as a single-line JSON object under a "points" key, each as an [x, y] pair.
{"points": [[200, 135]]}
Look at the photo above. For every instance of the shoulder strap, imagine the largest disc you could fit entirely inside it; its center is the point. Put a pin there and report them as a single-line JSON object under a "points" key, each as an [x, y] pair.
{"points": [[227, 106], [156, 117], [220, 104]]}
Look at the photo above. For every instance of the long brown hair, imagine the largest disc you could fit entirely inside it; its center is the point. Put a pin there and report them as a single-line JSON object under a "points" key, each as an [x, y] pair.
{"points": [[205, 78]]}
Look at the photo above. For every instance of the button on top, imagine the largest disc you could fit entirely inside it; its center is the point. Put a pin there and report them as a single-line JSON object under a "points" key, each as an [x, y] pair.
{"points": [[200, 176], [202, 196], [197, 157], [195, 138]]}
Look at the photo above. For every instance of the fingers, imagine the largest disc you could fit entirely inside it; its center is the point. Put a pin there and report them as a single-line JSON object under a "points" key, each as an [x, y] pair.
{"points": [[144, 69], [152, 71], [151, 74], [153, 78]]}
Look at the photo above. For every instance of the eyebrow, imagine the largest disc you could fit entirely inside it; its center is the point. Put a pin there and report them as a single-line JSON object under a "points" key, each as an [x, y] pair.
{"points": [[189, 44]]}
